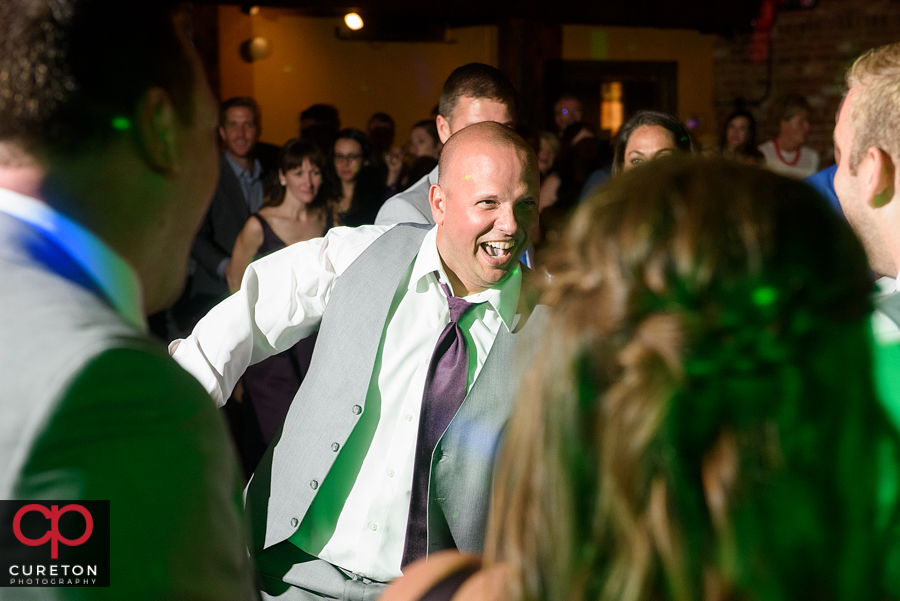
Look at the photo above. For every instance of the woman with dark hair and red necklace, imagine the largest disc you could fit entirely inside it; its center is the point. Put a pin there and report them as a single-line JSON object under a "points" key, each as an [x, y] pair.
{"points": [[786, 153]]}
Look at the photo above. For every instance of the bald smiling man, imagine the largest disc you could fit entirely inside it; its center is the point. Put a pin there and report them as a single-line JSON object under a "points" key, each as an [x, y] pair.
{"points": [[354, 487]]}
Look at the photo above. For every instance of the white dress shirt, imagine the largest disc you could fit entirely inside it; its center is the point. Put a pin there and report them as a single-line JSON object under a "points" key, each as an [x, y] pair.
{"points": [[884, 329], [112, 275], [281, 300]]}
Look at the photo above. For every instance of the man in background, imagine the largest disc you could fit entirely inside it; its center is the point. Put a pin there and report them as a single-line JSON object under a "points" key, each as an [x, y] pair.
{"points": [[239, 194], [566, 111], [107, 164], [473, 93]]}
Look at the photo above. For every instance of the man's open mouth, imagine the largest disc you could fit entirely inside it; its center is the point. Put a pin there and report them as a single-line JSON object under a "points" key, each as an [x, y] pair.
{"points": [[498, 250]]}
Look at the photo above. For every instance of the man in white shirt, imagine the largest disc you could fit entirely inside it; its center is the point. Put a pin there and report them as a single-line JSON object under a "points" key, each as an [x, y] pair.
{"points": [[107, 162], [786, 153], [473, 93], [331, 499]]}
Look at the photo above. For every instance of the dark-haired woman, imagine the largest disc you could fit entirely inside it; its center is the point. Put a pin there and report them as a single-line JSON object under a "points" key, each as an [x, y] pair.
{"points": [[739, 139], [295, 210], [356, 187], [649, 135]]}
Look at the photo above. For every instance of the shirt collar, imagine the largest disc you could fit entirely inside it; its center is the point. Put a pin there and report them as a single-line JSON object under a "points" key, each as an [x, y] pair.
{"points": [[240, 172], [504, 297], [112, 275]]}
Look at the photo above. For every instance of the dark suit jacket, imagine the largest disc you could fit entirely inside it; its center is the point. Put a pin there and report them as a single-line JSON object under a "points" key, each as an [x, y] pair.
{"points": [[226, 217]]}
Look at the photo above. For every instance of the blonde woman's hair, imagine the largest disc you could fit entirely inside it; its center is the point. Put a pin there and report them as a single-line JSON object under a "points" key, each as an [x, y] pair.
{"points": [[699, 422]]}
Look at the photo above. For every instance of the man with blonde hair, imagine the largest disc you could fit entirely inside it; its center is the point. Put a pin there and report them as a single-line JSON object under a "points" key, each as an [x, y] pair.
{"points": [[867, 151]]}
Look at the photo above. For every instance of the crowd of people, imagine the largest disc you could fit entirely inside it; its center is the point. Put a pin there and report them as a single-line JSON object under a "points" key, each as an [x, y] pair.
{"points": [[499, 366]]}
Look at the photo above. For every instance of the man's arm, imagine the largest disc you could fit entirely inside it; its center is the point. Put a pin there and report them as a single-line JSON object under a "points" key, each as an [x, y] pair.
{"points": [[281, 300], [134, 429]]}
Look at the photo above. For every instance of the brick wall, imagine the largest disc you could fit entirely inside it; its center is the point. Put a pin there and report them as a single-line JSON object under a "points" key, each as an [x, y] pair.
{"points": [[811, 50]]}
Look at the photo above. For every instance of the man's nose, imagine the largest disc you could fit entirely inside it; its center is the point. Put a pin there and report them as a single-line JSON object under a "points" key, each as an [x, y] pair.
{"points": [[506, 220]]}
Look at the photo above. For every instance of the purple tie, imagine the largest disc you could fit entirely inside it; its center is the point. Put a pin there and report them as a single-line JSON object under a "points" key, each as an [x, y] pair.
{"points": [[445, 389]]}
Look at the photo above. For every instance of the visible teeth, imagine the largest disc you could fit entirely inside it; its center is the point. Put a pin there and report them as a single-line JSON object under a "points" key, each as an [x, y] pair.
{"points": [[497, 249]]}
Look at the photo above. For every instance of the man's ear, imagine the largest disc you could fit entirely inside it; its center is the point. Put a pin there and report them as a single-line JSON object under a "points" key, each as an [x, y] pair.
{"points": [[157, 131], [878, 178], [438, 201], [443, 127]]}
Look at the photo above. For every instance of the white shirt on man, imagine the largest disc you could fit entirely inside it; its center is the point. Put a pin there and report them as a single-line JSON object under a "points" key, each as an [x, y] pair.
{"points": [[282, 299]]}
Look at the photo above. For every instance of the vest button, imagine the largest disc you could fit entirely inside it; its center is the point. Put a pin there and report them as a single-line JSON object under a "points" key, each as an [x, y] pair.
{"points": [[357, 409], [314, 484], [335, 446], [294, 522]]}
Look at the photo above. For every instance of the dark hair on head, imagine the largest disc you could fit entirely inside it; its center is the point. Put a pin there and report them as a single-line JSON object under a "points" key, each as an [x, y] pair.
{"points": [[477, 80], [679, 131], [707, 345], [791, 105], [291, 156], [239, 101], [381, 118], [351, 133], [70, 78], [430, 128], [322, 114], [749, 145]]}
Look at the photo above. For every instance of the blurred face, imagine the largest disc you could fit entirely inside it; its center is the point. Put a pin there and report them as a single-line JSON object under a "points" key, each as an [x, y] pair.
{"points": [[348, 159], [545, 157], [239, 132], [470, 110], [647, 143], [191, 193], [795, 129], [484, 210], [566, 111], [302, 183], [421, 144], [737, 132]]}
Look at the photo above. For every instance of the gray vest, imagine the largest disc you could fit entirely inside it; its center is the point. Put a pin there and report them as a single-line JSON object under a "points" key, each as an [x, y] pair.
{"points": [[331, 403], [51, 328]]}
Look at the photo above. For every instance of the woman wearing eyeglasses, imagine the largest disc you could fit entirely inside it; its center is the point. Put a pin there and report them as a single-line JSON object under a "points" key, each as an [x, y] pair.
{"points": [[354, 185]]}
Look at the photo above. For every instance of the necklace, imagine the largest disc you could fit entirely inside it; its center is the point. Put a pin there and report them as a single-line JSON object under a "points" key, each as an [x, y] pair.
{"points": [[781, 156]]}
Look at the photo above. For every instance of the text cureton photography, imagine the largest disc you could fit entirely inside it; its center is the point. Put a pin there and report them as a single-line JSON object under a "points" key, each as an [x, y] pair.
{"points": [[54, 543]]}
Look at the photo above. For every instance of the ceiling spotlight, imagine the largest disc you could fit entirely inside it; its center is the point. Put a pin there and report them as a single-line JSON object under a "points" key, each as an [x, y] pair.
{"points": [[254, 10], [353, 21]]}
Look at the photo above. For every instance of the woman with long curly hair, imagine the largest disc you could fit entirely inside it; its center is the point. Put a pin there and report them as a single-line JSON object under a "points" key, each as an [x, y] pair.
{"points": [[700, 422]]}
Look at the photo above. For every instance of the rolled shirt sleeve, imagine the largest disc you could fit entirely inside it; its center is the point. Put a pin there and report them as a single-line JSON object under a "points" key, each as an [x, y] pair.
{"points": [[281, 301]]}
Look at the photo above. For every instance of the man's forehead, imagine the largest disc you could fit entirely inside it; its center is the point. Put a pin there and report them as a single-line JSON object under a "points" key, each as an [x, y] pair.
{"points": [[239, 113]]}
